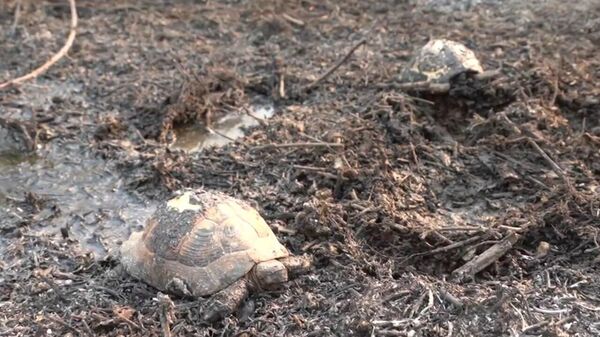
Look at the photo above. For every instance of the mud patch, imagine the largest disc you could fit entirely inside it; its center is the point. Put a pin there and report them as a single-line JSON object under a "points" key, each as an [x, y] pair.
{"points": [[46, 95], [16, 138], [87, 202]]}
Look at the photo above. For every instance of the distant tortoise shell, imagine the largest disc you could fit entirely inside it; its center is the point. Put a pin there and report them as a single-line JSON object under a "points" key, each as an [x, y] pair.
{"points": [[439, 60], [204, 238]]}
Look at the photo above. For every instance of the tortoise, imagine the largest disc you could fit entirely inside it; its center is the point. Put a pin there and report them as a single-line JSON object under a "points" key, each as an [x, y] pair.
{"points": [[203, 242], [439, 61]]}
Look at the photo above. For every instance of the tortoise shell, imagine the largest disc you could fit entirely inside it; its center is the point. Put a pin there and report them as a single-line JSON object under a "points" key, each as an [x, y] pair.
{"points": [[204, 238], [440, 60]]}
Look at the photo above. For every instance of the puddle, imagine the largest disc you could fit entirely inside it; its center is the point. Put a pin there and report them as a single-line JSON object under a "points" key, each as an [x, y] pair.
{"points": [[92, 202], [195, 138]]}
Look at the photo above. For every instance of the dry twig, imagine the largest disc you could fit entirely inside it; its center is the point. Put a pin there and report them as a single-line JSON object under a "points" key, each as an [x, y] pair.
{"points": [[54, 318], [60, 54], [551, 162], [446, 248], [530, 139], [293, 20], [298, 145], [335, 67], [486, 258], [166, 314], [17, 16], [451, 298]]}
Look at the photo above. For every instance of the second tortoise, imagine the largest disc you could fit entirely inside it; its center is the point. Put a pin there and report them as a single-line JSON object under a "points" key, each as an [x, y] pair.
{"points": [[440, 60]]}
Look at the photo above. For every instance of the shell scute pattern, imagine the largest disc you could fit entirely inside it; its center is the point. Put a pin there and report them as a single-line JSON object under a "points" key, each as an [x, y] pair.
{"points": [[254, 219], [200, 246], [167, 231]]}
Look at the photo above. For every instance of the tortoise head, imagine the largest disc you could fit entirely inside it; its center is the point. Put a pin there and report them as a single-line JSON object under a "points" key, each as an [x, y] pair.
{"points": [[268, 274]]}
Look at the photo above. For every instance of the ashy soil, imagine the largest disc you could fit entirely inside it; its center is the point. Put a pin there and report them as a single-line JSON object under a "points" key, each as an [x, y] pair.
{"points": [[389, 190]]}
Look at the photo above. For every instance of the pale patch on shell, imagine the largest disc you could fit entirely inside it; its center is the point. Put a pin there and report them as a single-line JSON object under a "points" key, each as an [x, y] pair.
{"points": [[182, 203]]}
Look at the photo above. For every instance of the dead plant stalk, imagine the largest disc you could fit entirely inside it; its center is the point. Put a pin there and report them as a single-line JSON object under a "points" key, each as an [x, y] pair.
{"points": [[60, 54], [331, 70]]}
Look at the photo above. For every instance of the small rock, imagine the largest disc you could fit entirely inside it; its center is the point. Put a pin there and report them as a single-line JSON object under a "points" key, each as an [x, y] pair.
{"points": [[311, 301], [362, 327], [542, 249]]}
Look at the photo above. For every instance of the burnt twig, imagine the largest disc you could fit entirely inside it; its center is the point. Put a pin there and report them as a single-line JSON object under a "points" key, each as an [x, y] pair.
{"points": [[58, 320], [446, 248], [260, 147], [334, 67], [486, 258], [530, 139], [551, 162], [17, 16], [451, 298]]}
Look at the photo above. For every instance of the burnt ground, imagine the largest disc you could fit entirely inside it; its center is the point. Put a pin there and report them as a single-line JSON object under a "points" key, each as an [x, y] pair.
{"points": [[389, 190]]}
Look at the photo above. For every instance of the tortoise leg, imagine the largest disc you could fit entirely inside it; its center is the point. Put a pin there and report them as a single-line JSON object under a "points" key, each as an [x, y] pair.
{"points": [[227, 300], [178, 287], [297, 265]]}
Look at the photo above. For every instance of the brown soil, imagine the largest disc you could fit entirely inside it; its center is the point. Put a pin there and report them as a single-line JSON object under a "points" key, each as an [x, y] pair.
{"points": [[390, 191]]}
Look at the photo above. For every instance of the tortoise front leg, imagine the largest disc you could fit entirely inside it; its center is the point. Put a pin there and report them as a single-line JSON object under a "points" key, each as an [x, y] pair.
{"points": [[227, 300], [297, 265], [178, 287]]}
